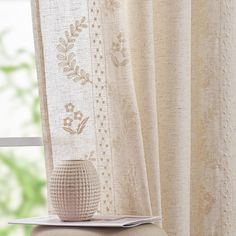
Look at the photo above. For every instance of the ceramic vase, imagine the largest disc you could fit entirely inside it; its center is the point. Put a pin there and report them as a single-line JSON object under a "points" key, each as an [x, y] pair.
{"points": [[74, 190]]}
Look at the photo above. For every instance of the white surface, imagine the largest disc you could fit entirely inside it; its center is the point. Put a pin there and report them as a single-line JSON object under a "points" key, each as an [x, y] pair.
{"points": [[97, 221], [19, 26]]}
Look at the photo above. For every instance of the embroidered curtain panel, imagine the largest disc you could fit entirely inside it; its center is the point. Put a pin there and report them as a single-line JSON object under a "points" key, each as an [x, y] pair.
{"points": [[146, 90]]}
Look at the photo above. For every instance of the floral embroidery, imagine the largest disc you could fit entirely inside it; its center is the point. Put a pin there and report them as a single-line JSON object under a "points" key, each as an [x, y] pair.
{"points": [[67, 59], [69, 107], [118, 51], [78, 115], [207, 200], [111, 5], [75, 122], [68, 121]]}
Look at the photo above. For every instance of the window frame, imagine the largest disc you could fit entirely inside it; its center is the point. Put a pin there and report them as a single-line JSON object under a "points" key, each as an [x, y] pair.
{"points": [[21, 142]]}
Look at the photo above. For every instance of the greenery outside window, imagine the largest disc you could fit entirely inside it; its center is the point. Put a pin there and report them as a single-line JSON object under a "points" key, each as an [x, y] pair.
{"points": [[22, 174]]}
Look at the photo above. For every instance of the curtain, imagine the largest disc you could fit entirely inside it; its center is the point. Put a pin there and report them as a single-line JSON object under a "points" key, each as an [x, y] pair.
{"points": [[146, 90]]}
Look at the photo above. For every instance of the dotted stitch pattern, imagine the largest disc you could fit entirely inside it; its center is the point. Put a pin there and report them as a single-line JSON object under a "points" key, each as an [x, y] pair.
{"points": [[104, 163]]}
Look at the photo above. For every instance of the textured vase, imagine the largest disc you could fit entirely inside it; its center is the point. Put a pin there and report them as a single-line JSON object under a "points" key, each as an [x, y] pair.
{"points": [[74, 190]]}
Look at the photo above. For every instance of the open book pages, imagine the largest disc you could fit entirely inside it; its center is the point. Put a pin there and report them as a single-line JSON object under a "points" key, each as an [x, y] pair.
{"points": [[97, 221]]}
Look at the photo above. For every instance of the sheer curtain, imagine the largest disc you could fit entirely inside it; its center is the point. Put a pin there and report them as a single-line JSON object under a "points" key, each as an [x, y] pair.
{"points": [[145, 90]]}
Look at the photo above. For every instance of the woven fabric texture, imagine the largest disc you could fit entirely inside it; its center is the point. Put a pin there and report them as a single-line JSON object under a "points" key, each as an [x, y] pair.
{"points": [[145, 90]]}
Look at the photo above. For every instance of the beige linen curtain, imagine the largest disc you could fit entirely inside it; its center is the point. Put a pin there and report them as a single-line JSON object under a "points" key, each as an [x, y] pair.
{"points": [[146, 90]]}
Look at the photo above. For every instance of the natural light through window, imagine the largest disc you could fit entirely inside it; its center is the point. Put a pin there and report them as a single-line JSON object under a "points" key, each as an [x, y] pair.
{"points": [[22, 167]]}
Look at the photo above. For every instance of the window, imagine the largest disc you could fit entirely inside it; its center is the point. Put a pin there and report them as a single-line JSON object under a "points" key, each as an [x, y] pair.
{"points": [[21, 152]]}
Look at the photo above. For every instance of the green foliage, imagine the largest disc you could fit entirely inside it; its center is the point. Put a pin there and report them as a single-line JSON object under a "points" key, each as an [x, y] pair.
{"points": [[31, 187], [25, 174], [21, 61]]}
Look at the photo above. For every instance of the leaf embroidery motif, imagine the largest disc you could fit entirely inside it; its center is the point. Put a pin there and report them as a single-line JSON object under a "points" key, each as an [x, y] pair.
{"points": [[71, 131], [128, 120], [82, 125], [90, 156], [67, 59], [118, 51]]}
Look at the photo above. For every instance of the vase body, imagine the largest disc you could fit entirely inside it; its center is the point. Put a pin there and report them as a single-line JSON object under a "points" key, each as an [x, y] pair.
{"points": [[74, 190]]}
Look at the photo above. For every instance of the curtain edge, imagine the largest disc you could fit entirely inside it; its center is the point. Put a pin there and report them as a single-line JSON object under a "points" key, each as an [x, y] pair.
{"points": [[39, 58]]}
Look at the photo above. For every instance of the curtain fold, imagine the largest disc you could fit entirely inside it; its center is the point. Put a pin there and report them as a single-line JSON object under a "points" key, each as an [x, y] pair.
{"points": [[146, 91], [172, 25], [213, 118], [140, 35]]}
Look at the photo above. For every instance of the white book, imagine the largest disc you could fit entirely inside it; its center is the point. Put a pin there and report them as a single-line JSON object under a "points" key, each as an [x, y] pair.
{"points": [[123, 221]]}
